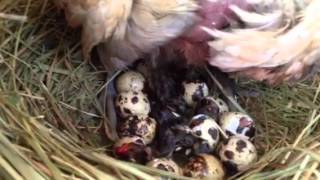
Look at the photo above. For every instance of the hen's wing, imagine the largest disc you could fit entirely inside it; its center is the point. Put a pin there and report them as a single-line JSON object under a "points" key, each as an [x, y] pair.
{"points": [[152, 23], [274, 56], [127, 29]]}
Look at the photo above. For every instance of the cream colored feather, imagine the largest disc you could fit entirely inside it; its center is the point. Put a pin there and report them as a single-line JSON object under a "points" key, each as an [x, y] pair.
{"points": [[124, 29], [274, 56]]}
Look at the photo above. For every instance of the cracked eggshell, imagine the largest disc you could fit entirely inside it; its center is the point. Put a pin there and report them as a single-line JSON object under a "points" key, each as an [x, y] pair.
{"points": [[142, 126], [130, 81], [132, 103], [165, 164], [211, 106], [238, 124], [128, 148], [129, 140], [237, 154], [204, 166], [194, 91]]}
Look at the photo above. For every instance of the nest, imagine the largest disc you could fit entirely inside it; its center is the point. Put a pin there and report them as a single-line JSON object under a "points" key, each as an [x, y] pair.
{"points": [[54, 126]]}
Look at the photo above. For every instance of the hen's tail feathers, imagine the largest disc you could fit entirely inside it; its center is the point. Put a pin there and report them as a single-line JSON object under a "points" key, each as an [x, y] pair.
{"points": [[281, 54]]}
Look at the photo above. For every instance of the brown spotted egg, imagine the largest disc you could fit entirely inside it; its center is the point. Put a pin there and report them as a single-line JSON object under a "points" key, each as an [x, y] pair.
{"points": [[205, 128], [194, 91], [130, 81], [132, 103], [238, 124], [165, 164], [204, 166], [142, 126], [237, 154], [211, 106]]}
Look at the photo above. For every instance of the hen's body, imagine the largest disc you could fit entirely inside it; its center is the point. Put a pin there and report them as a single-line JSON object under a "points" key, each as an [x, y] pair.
{"points": [[125, 30]]}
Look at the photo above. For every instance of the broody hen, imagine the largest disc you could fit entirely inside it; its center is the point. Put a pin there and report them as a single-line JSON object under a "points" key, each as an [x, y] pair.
{"points": [[279, 40], [127, 30]]}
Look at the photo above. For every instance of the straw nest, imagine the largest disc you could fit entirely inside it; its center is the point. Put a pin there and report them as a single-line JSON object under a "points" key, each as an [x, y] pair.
{"points": [[53, 126]]}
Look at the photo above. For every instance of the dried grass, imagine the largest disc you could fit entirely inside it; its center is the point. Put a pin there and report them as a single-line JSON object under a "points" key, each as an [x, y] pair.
{"points": [[51, 118]]}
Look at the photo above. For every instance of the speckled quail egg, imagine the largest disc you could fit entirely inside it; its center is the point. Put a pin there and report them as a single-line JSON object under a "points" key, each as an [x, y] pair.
{"points": [[194, 91], [131, 148], [204, 166], [142, 126], [165, 164], [130, 81], [205, 128], [211, 106], [237, 154], [238, 124], [132, 103]]}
